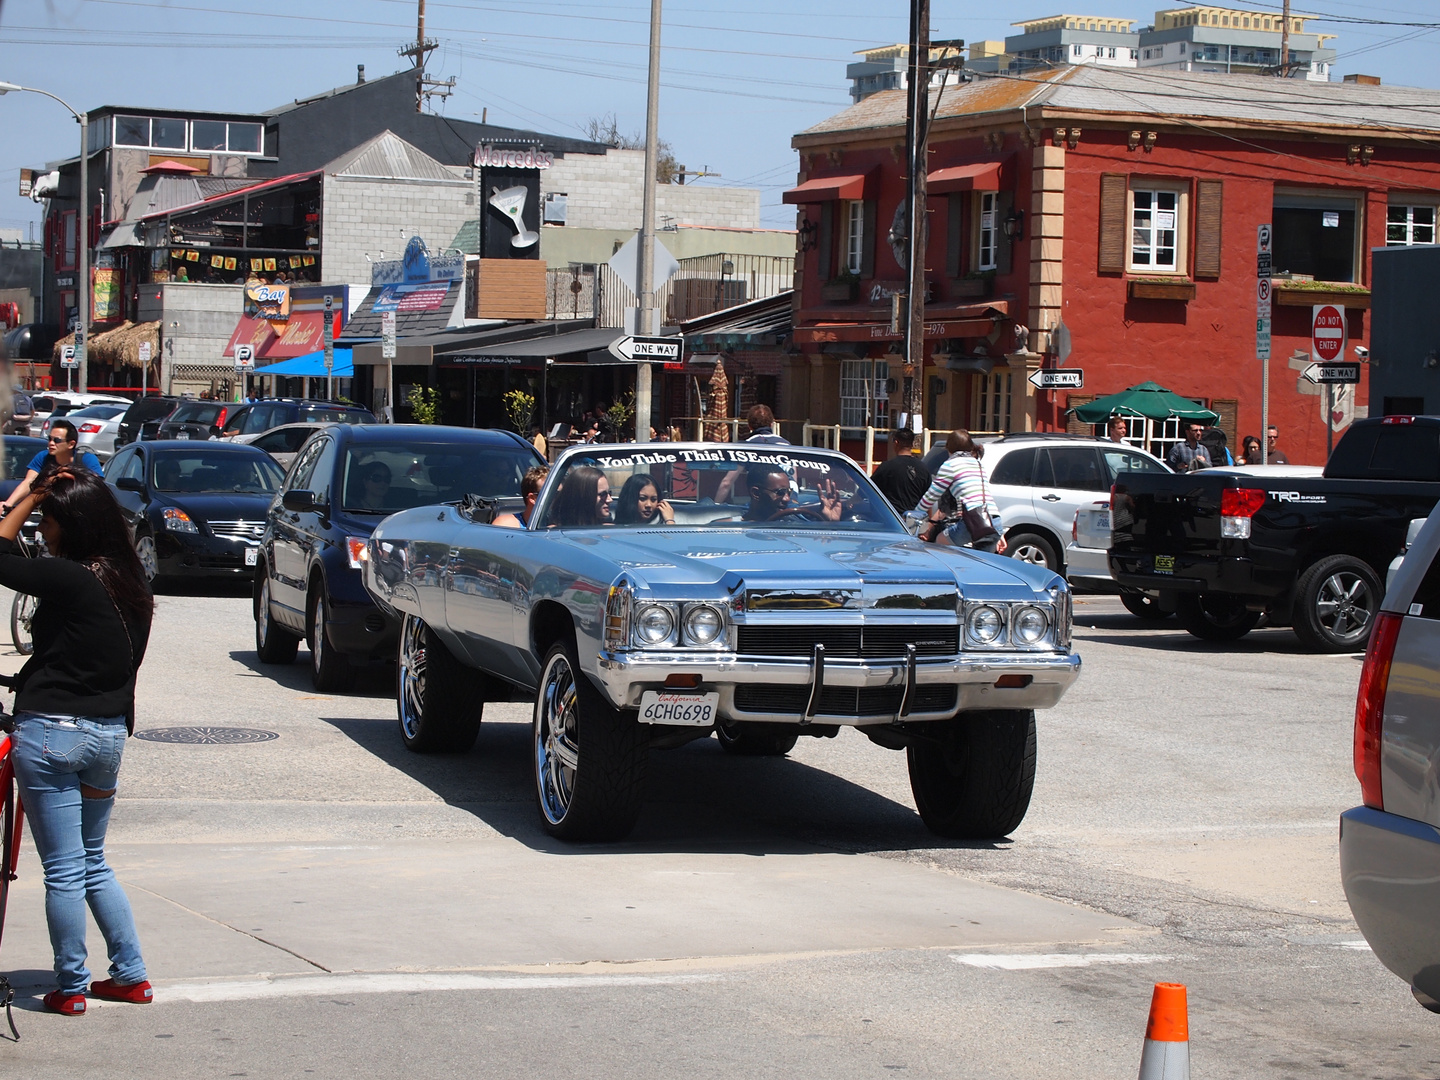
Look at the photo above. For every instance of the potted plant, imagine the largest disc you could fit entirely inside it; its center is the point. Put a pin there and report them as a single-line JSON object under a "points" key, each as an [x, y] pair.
{"points": [[978, 284], [843, 287]]}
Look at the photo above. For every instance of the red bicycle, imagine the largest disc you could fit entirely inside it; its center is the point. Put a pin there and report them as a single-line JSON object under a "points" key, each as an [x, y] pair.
{"points": [[12, 817]]}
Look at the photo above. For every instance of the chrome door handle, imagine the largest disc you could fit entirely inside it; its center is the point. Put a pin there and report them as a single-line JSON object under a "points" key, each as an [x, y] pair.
{"points": [[1051, 498]]}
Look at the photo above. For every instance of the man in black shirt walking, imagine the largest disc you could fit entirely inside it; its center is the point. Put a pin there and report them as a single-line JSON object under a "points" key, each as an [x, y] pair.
{"points": [[904, 478]]}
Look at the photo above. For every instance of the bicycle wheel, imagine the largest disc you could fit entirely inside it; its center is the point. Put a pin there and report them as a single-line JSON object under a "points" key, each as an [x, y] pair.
{"points": [[22, 611], [9, 829]]}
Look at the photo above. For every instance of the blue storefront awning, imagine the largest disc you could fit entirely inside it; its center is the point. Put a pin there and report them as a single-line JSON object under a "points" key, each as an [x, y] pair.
{"points": [[312, 365]]}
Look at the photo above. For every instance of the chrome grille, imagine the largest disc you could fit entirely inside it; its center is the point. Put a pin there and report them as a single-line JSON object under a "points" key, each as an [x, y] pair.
{"points": [[239, 530], [849, 642], [844, 700]]}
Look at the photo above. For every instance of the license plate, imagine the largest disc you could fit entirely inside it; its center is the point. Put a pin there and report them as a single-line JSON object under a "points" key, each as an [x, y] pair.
{"points": [[679, 710], [252, 556], [1164, 564], [1102, 522], [182, 434]]}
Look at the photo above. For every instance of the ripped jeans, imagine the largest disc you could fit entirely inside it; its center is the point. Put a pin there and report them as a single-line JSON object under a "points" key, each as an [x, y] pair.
{"points": [[54, 757]]}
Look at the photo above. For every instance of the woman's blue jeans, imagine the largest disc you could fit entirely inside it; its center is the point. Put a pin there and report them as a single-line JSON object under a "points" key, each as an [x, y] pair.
{"points": [[54, 756]]}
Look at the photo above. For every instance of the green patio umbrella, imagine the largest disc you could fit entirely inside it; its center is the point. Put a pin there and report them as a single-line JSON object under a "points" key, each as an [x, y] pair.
{"points": [[1147, 399]]}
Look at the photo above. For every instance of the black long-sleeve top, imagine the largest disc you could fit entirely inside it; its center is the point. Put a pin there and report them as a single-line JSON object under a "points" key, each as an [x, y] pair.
{"points": [[83, 664]]}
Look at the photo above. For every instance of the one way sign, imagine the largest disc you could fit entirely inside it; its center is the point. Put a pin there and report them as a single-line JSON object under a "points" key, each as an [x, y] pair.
{"points": [[647, 348]]}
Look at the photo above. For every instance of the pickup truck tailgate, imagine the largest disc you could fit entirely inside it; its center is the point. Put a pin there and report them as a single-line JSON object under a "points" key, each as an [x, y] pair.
{"points": [[1168, 527]]}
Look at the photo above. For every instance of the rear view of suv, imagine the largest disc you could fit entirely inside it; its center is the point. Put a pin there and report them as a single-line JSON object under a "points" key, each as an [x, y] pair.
{"points": [[1390, 846], [146, 410], [264, 415]]}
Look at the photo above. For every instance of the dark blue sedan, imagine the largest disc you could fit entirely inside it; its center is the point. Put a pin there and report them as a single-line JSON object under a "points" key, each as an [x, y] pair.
{"points": [[345, 481]]}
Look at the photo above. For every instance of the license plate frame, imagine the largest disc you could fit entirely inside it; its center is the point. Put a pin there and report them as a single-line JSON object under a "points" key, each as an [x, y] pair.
{"points": [[1102, 522], [679, 709], [182, 435], [252, 555]]}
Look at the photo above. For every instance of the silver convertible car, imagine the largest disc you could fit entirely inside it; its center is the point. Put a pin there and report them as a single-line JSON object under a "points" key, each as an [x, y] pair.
{"points": [[656, 593]]}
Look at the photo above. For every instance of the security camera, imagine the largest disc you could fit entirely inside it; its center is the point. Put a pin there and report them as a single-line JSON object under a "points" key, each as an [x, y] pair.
{"points": [[1362, 353]]}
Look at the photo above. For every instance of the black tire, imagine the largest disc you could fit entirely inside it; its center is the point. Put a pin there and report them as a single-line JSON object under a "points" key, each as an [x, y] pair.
{"points": [[331, 672], [1336, 601], [976, 782], [1032, 548], [750, 739], [439, 701], [1215, 617], [22, 611], [273, 643], [1144, 606], [573, 723]]}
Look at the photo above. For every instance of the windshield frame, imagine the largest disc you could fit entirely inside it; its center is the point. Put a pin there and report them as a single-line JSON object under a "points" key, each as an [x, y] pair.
{"points": [[354, 458], [264, 462], [732, 456]]}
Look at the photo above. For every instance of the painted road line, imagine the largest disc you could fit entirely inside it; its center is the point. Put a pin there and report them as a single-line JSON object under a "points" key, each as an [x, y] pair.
{"points": [[1037, 961], [281, 986]]}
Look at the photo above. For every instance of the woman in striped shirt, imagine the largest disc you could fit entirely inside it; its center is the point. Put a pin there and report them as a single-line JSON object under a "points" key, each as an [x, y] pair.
{"points": [[963, 479]]}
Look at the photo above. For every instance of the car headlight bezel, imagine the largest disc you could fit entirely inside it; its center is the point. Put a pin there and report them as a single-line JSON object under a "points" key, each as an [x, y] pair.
{"points": [[1018, 633], [670, 625], [177, 520], [697, 639], [992, 633]]}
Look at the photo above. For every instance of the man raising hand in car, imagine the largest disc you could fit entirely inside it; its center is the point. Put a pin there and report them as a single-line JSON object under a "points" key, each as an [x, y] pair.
{"points": [[770, 496]]}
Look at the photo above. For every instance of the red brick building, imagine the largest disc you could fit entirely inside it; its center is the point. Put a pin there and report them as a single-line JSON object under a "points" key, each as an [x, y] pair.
{"points": [[1124, 204]]}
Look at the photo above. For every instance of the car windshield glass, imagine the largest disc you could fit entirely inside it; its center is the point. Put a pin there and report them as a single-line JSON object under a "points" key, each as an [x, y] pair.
{"points": [[197, 412], [747, 486], [98, 412], [381, 478], [334, 414], [216, 471]]}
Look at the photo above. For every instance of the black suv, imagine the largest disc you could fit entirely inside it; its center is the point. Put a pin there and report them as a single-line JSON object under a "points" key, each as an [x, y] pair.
{"points": [[142, 411], [346, 480], [264, 415], [190, 420]]}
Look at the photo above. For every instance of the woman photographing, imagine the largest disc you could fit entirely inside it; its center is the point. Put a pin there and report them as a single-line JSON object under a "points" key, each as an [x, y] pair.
{"points": [[74, 707]]}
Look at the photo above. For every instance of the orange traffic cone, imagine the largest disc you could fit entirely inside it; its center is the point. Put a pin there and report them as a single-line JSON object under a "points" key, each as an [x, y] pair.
{"points": [[1167, 1036]]}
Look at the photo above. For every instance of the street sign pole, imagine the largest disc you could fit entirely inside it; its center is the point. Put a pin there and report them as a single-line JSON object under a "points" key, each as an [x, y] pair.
{"points": [[387, 353], [1263, 269], [329, 348]]}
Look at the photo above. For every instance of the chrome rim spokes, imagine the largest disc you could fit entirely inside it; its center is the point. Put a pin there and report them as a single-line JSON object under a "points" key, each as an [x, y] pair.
{"points": [[1344, 604], [557, 751], [262, 616], [317, 646], [149, 564], [1031, 554], [412, 675]]}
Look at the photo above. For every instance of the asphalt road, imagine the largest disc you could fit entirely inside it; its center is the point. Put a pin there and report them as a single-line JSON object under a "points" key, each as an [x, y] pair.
{"points": [[323, 903]]}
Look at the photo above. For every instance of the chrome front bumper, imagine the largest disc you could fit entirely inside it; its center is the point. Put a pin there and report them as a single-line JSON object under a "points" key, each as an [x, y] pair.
{"points": [[625, 677]]}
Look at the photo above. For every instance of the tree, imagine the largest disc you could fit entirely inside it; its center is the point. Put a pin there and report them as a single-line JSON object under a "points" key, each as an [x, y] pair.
{"points": [[606, 129], [425, 404]]}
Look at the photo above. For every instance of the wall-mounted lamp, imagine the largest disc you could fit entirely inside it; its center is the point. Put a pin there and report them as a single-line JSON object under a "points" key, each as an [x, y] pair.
{"points": [[1014, 224], [807, 232]]}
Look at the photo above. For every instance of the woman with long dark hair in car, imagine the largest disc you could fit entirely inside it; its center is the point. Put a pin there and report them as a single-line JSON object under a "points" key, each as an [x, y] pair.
{"points": [[74, 706], [583, 498], [641, 504]]}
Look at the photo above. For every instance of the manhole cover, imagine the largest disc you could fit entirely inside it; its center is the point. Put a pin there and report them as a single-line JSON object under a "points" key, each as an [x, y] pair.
{"points": [[207, 736]]}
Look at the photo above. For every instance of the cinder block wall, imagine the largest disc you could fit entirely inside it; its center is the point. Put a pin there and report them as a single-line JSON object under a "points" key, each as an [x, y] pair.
{"points": [[206, 315], [607, 192], [363, 216]]}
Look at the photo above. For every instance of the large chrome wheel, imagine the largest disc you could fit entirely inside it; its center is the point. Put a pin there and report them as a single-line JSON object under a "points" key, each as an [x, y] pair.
{"points": [[149, 561], [589, 756], [440, 702], [1034, 549], [1336, 601]]}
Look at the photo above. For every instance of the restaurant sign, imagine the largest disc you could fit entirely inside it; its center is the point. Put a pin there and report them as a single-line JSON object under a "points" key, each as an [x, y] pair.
{"points": [[490, 157], [269, 302], [417, 266]]}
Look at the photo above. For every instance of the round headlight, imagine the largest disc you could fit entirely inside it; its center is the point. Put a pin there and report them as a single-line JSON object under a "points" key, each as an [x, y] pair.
{"points": [[702, 624], [654, 624], [985, 625], [1030, 625]]}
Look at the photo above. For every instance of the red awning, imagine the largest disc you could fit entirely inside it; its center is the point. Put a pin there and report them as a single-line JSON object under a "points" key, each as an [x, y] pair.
{"points": [[984, 176], [302, 335], [829, 188]]}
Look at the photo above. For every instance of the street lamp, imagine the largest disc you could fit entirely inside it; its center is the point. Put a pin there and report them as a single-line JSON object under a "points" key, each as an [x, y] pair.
{"points": [[82, 228]]}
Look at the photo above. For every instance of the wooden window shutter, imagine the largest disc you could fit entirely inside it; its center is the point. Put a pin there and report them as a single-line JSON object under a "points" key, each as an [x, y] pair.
{"points": [[955, 235], [1113, 191], [825, 242], [1004, 246], [1209, 203], [867, 238], [1072, 425], [1229, 410]]}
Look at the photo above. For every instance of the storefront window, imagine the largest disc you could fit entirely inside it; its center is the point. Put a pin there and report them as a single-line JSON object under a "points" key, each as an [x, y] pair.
{"points": [[991, 401], [1315, 237], [857, 407]]}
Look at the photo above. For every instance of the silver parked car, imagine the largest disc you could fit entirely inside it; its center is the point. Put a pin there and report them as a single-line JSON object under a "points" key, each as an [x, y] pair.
{"points": [[636, 611], [1390, 846], [95, 427]]}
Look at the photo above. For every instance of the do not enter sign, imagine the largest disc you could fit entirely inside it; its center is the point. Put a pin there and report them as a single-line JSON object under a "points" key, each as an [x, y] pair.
{"points": [[1327, 333]]}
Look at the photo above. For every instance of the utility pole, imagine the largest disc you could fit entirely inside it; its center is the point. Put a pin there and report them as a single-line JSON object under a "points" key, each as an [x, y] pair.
{"points": [[419, 51], [1285, 42], [916, 132], [82, 231], [645, 275]]}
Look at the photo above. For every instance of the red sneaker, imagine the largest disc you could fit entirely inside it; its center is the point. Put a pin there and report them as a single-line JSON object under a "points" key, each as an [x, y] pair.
{"points": [[65, 1004], [139, 993]]}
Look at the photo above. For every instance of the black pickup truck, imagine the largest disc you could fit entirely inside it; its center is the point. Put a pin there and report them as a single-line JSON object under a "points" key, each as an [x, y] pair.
{"points": [[1224, 547]]}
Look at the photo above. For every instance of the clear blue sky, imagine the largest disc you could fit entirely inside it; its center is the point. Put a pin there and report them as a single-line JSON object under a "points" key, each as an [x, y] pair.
{"points": [[738, 78]]}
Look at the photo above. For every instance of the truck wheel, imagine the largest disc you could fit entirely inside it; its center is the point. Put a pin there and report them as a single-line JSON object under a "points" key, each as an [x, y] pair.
{"points": [[1335, 604], [1144, 606], [273, 643], [976, 783], [330, 672], [1215, 618], [439, 699], [575, 725], [750, 739], [1032, 548]]}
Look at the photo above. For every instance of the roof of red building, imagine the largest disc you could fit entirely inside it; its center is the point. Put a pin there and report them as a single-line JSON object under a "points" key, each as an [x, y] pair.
{"points": [[1183, 97]]}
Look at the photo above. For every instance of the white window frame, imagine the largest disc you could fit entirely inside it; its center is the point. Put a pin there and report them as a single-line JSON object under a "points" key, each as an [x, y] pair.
{"points": [[1407, 210], [1154, 194], [854, 250], [857, 409], [987, 245], [990, 401]]}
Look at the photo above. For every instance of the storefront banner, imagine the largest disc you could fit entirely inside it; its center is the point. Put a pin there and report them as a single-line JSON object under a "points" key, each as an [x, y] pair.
{"points": [[406, 299], [107, 290], [271, 302], [882, 332], [417, 267], [490, 157]]}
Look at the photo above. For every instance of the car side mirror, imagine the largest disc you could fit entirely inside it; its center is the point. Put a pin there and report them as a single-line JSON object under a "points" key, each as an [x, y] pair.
{"points": [[914, 521], [130, 483], [299, 500]]}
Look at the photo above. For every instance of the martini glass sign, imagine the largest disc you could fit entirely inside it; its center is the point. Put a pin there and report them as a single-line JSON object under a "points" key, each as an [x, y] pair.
{"points": [[511, 202]]}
